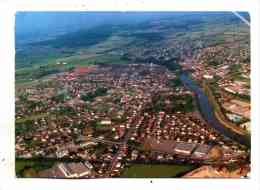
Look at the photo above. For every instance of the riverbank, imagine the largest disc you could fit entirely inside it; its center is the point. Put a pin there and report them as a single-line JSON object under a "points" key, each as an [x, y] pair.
{"points": [[219, 172], [208, 113], [219, 114]]}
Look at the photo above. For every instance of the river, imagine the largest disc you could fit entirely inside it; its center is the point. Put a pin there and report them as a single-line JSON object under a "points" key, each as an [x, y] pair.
{"points": [[207, 112]]}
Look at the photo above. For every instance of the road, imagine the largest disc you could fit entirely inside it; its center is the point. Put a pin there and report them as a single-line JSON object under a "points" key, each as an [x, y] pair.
{"points": [[104, 141], [134, 122]]}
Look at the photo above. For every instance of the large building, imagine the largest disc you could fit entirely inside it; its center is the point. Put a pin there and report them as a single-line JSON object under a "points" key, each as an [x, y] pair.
{"points": [[68, 170], [201, 152], [184, 149]]}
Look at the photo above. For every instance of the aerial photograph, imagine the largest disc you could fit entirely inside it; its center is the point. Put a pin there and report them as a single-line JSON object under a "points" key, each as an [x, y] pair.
{"points": [[132, 95]]}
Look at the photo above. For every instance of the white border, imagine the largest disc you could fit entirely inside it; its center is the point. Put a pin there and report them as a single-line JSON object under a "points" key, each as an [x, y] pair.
{"points": [[7, 12]]}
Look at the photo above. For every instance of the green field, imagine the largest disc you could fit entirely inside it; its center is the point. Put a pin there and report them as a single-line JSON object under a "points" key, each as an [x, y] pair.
{"points": [[24, 167], [29, 74], [124, 43], [156, 171]]}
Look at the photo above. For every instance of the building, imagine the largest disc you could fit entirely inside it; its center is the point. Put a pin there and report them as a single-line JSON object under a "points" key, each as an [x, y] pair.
{"points": [[201, 152], [74, 170], [106, 122], [208, 76], [163, 146], [184, 149]]}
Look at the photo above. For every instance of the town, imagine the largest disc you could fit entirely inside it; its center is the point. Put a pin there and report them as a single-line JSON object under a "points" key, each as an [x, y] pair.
{"points": [[227, 79], [107, 117], [139, 95]]}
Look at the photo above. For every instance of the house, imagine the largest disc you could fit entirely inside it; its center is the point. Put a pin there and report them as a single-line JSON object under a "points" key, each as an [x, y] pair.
{"points": [[61, 153], [208, 76], [106, 122]]}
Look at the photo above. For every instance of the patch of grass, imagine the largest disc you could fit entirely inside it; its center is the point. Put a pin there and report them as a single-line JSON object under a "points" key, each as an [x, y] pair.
{"points": [[175, 83], [92, 95], [29, 74], [156, 171], [23, 165]]}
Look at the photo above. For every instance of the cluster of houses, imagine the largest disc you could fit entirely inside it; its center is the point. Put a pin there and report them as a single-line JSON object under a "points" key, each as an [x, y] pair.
{"points": [[108, 128], [231, 76]]}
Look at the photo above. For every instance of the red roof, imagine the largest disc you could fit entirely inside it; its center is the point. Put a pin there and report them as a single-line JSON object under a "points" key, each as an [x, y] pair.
{"points": [[83, 70]]}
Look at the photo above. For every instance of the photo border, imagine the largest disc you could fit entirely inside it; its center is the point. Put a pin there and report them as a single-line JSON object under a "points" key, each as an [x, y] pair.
{"points": [[7, 52]]}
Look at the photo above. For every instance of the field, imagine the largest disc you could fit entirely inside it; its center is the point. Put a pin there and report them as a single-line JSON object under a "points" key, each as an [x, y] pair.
{"points": [[121, 44], [154, 171], [28, 168]]}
